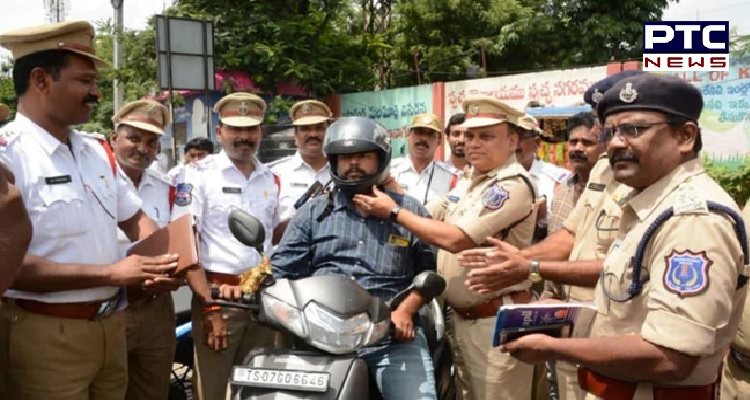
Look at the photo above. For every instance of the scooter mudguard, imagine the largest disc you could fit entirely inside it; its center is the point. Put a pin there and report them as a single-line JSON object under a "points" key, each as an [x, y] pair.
{"points": [[348, 376]]}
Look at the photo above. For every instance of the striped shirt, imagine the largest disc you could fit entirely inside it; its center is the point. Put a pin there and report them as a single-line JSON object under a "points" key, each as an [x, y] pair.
{"points": [[381, 256]]}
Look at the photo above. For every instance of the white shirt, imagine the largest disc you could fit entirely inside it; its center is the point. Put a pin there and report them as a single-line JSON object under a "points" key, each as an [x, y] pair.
{"points": [[296, 177], [211, 189], [435, 180], [547, 176], [176, 172], [73, 199], [154, 193]]}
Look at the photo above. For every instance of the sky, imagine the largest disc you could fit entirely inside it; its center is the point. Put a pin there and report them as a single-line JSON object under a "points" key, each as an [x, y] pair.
{"points": [[21, 13]]}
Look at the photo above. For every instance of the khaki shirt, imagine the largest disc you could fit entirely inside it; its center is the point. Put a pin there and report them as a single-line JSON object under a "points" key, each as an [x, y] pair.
{"points": [[742, 340], [690, 302], [482, 206], [595, 220]]}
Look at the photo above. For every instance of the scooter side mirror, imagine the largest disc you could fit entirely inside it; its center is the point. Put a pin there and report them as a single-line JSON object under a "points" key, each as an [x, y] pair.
{"points": [[429, 284], [247, 229]]}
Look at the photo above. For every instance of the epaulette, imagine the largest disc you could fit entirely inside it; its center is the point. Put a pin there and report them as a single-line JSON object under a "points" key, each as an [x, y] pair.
{"points": [[158, 175], [448, 167], [689, 200], [279, 161], [92, 135], [7, 136]]}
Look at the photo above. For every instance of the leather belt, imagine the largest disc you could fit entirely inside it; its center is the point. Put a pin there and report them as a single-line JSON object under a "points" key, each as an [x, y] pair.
{"points": [[136, 294], [741, 358], [218, 278], [489, 308], [87, 311], [613, 389]]}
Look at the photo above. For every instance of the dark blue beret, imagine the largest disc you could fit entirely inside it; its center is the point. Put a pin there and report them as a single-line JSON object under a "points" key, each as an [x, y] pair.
{"points": [[652, 92], [594, 94]]}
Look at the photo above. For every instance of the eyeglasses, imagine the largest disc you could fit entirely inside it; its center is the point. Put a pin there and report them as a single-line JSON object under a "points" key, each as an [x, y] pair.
{"points": [[628, 131]]}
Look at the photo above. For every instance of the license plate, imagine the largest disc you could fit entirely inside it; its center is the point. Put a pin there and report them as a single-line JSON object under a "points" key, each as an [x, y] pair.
{"points": [[281, 379]]}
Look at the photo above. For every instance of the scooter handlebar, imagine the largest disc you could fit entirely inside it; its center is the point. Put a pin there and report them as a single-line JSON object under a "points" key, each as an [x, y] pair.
{"points": [[247, 302]]}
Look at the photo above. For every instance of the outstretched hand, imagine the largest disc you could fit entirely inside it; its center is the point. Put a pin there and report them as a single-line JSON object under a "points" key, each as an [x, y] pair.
{"points": [[378, 204]]}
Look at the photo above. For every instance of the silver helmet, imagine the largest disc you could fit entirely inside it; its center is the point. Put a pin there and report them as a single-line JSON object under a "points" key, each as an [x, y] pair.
{"points": [[351, 135]]}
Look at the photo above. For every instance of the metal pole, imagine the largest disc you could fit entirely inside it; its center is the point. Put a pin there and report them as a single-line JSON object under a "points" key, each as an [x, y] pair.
{"points": [[117, 85], [169, 83], [206, 93]]}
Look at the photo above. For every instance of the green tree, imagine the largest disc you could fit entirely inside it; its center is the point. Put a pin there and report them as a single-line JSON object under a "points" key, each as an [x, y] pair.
{"points": [[137, 71], [314, 43]]}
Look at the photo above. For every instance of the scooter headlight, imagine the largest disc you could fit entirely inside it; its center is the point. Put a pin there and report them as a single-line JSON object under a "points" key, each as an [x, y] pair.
{"points": [[285, 315], [337, 335]]}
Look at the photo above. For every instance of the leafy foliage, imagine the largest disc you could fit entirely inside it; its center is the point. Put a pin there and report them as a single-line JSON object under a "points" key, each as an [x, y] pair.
{"points": [[733, 180]]}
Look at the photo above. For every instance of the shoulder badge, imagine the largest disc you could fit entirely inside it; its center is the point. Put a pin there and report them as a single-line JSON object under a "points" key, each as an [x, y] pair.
{"points": [[689, 201], [183, 195], [686, 272], [495, 197]]}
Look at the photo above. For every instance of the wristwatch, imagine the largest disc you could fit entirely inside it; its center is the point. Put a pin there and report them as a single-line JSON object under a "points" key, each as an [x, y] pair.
{"points": [[534, 275], [394, 213]]}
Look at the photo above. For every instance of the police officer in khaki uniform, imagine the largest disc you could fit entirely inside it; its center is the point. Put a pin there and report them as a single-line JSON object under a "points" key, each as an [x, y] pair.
{"points": [[669, 301], [571, 256], [735, 378], [496, 200], [308, 165], [149, 318], [61, 333]]}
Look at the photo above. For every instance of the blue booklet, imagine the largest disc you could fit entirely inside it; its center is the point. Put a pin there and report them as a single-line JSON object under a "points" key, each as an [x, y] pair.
{"points": [[561, 320]]}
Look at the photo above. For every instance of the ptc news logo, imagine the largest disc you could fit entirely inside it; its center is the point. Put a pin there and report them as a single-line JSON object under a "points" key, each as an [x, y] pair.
{"points": [[685, 46]]}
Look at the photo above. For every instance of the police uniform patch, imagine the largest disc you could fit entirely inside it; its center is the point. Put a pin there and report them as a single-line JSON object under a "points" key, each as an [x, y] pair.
{"points": [[495, 197], [686, 273], [183, 195]]}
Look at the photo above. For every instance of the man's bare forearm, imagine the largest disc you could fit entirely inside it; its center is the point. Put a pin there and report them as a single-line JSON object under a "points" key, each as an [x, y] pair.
{"points": [[626, 357], [412, 303], [196, 279], [138, 227], [42, 275], [437, 233], [577, 273], [15, 229], [556, 247]]}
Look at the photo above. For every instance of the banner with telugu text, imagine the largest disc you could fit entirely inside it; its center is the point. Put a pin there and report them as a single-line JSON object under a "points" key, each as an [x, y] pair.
{"points": [[557, 88], [393, 108], [725, 121]]}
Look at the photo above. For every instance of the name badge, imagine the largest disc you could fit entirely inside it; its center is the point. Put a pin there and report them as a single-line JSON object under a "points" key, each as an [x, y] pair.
{"points": [[299, 184], [57, 180], [397, 240], [597, 187], [232, 190]]}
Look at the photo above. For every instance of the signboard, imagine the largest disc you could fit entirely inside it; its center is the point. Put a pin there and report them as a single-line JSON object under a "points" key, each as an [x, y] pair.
{"points": [[392, 108], [550, 88], [725, 121]]}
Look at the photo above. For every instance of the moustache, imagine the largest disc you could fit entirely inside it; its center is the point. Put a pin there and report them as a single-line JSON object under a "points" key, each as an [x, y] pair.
{"points": [[622, 155], [577, 155], [312, 139], [353, 170], [421, 144], [248, 143], [90, 99]]}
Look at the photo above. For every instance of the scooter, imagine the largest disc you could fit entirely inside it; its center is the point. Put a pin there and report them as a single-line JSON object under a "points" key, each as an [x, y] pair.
{"points": [[329, 317]]}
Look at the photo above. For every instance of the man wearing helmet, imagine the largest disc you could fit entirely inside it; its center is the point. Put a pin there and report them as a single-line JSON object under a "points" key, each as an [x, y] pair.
{"points": [[332, 235], [497, 200]]}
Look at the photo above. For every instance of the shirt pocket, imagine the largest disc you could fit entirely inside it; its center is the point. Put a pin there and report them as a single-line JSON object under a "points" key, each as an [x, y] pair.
{"points": [[61, 212], [220, 205], [392, 259]]}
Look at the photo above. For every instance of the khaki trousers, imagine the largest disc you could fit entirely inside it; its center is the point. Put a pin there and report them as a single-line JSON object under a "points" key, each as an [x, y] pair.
{"points": [[493, 375], [53, 358], [567, 381], [151, 345], [213, 368], [735, 381]]}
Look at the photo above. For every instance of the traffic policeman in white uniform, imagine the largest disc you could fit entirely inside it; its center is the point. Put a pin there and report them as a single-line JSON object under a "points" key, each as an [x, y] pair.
{"points": [[419, 174], [149, 318], [61, 335], [210, 190], [308, 165]]}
